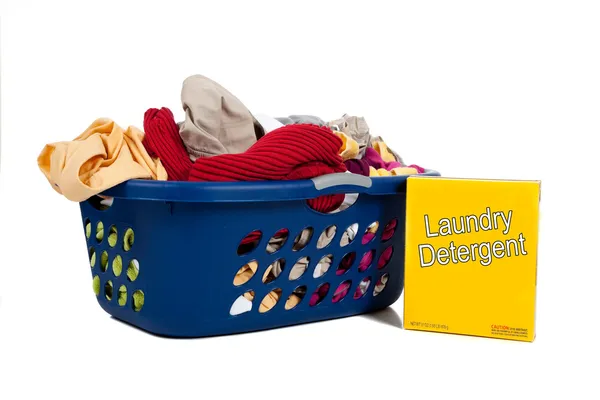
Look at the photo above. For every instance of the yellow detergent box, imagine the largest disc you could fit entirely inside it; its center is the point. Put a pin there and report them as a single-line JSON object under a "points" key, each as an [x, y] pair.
{"points": [[471, 256]]}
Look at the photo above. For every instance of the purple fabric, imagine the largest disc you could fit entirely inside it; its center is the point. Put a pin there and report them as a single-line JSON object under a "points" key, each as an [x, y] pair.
{"points": [[346, 263], [356, 166], [373, 158]]}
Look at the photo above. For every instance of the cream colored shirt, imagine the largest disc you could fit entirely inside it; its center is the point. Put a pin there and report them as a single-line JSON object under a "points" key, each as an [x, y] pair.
{"points": [[103, 156]]}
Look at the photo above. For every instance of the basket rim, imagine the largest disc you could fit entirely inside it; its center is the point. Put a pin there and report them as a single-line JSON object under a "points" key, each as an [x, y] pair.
{"points": [[207, 192]]}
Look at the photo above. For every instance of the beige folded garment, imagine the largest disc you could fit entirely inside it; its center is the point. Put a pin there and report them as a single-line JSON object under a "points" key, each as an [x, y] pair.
{"points": [[216, 122], [103, 156]]}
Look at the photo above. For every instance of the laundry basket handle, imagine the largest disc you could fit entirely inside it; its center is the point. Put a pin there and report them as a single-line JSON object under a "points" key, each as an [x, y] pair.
{"points": [[341, 179]]}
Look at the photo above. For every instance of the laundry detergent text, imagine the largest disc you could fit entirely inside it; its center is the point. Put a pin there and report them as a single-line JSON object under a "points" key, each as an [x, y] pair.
{"points": [[482, 252]]}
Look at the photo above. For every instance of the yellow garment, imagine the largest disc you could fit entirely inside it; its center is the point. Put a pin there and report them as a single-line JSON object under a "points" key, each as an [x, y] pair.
{"points": [[394, 172], [245, 273], [101, 157], [384, 152], [349, 147]]}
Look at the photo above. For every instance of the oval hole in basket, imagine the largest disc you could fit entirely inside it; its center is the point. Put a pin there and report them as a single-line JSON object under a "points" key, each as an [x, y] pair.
{"points": [[346, 263], [245, 273], [274, 270], [269, 301], [113, 236], [385, 257], [366, 260], [122, 295], [389, 229], [99, 232], [323, 266], [341, 291], [133, 270], [92, 255], [117, 265], [96, 285], [101, 203], [137, 300], [381, 283], [295, 298], [349, 235], [87, 224], [326, 237], [299, 268], [278, 240], [249, 242], [242, 304], [370, 232], [362, 288], [302, 239], [319, 294], [104, 261], [108, 290], [128, 239]]}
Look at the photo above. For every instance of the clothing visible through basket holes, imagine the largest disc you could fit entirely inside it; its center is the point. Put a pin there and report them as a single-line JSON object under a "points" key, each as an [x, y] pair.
{"points": [[370, 232], [380, 285], [299, 268], [250, 241], [326, 236], [319, 294], [324, 239], [323, 266], [389, 229], [274, 270], [295, 298], [366, 260], [245, 273], [277, 241], [269, 301], [242, 304], [384, 259], [349, 235], [362, 288], [341, 291]]}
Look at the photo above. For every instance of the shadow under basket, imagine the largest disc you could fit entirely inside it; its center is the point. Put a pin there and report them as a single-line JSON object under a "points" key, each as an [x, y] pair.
{"points": [[194, 259]]}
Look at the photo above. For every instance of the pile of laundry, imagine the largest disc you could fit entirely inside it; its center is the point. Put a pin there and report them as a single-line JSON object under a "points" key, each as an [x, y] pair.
{"points": [[219, 140]]}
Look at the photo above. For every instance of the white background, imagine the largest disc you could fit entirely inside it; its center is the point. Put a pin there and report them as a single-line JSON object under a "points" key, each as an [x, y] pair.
{"points": [[505, 89]]}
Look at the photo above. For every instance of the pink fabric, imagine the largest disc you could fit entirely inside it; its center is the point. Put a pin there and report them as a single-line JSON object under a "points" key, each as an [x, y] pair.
{"points": [[367, 237], [366, 261], [341, 291], [319, 294], [362, 288], [373, 158], [384, 258], [389, 230]]}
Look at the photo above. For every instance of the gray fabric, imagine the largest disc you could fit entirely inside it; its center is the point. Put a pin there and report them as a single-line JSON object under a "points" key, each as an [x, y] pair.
{"points": [[301, 119], [356, 128], [298, 269], [326, 237], [216, 122]]}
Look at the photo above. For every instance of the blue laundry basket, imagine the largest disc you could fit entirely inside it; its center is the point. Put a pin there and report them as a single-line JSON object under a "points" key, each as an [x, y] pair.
{"points": [[164, 255]]}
